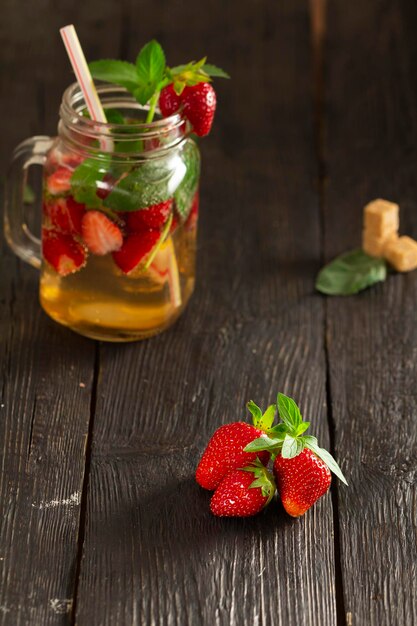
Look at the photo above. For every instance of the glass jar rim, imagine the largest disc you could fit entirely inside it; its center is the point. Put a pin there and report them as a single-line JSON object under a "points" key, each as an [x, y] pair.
{"points": [[73, 95]]}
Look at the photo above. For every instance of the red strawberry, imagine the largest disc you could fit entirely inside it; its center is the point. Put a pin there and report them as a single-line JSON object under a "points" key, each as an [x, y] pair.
{"points": [[199, 104], [193, 217], [225, 450], [301, 468], [100, 234], [135, 249], [59, 181], [169, 101], [243, 492], [301, 481], [65, 214], [153, 216], [65, 254]]}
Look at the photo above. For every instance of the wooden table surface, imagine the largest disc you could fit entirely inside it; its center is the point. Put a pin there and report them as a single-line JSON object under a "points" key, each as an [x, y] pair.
{"points": [[102, 522]]}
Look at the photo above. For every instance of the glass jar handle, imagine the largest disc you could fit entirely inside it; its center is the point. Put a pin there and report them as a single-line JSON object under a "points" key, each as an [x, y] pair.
{"points": [[33, 151]]}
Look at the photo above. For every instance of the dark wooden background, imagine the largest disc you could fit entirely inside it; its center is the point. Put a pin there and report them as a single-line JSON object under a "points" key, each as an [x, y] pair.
{"points": [[101, 520]]}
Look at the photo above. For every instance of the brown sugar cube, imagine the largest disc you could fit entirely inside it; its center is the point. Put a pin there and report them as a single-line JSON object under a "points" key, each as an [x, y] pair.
{"points": [[375, 246], [402, 254], [381, 217]]}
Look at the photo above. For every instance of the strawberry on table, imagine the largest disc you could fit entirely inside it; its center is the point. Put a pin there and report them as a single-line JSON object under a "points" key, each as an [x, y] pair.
{"points": [[301, 481], [199, 105], [154, 216], [243, 492], [225, 450], [59, 181], [65, 214], [62, 252], [100, 234], [301, 467]]}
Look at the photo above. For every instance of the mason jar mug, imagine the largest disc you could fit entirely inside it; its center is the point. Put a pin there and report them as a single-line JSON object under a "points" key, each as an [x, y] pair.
{"points": [[119, 217]]}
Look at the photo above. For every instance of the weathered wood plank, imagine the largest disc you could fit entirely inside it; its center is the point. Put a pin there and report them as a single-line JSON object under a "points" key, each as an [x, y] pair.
{"points": [[46, 372], [153, 554], [371, 103]]}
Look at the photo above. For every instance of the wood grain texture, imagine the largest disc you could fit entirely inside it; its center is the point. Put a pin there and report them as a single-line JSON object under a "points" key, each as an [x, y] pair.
{"points": [[153, 554], [371, 103]]}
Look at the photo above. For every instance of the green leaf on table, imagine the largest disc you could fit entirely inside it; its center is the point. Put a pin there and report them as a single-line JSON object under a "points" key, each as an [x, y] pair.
{"points": [[84, 181], [186, 190], [289, 412], [214, 71], [149, 184], [350, 273], [117, 72]]}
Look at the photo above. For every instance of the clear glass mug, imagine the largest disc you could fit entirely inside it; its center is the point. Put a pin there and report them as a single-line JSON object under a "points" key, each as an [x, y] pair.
{"points": [[119, 217]]}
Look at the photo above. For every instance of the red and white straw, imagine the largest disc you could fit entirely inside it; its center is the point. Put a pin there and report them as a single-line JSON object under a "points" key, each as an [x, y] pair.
{"points": [[84, 78]]}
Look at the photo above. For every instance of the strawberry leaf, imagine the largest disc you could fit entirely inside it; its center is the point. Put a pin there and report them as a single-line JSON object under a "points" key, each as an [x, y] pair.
{"points": [[267, 418], [214, 71], [291, 447], [117, 72], [328, 459], [289, 411], [255, 411]]}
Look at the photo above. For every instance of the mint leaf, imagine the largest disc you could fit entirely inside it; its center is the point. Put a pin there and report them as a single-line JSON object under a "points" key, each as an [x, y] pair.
{"points": [[328, 459], [301, 428], [117, 72], [291, 447], [114, 116], [150, 68], [186, 190], [289, 411], [144, 92], [149, 184], [84, 181], [214, 71], [263, 443], [350, 273]]}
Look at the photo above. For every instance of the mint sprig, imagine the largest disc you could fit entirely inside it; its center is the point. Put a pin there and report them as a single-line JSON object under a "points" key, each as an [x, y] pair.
{"points": [[145, 78], [287, 438], [86, 179]]}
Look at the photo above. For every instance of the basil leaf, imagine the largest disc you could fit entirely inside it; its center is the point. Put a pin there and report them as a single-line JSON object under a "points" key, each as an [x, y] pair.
{"points": [[118, 72], [186, 190], [84, 181], [263, 443], [214, 71], [350, 273]]}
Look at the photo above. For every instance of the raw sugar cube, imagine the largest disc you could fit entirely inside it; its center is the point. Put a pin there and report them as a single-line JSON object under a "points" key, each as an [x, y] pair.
{"points": [[375, 246], [381, 218], [402, 254]]}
